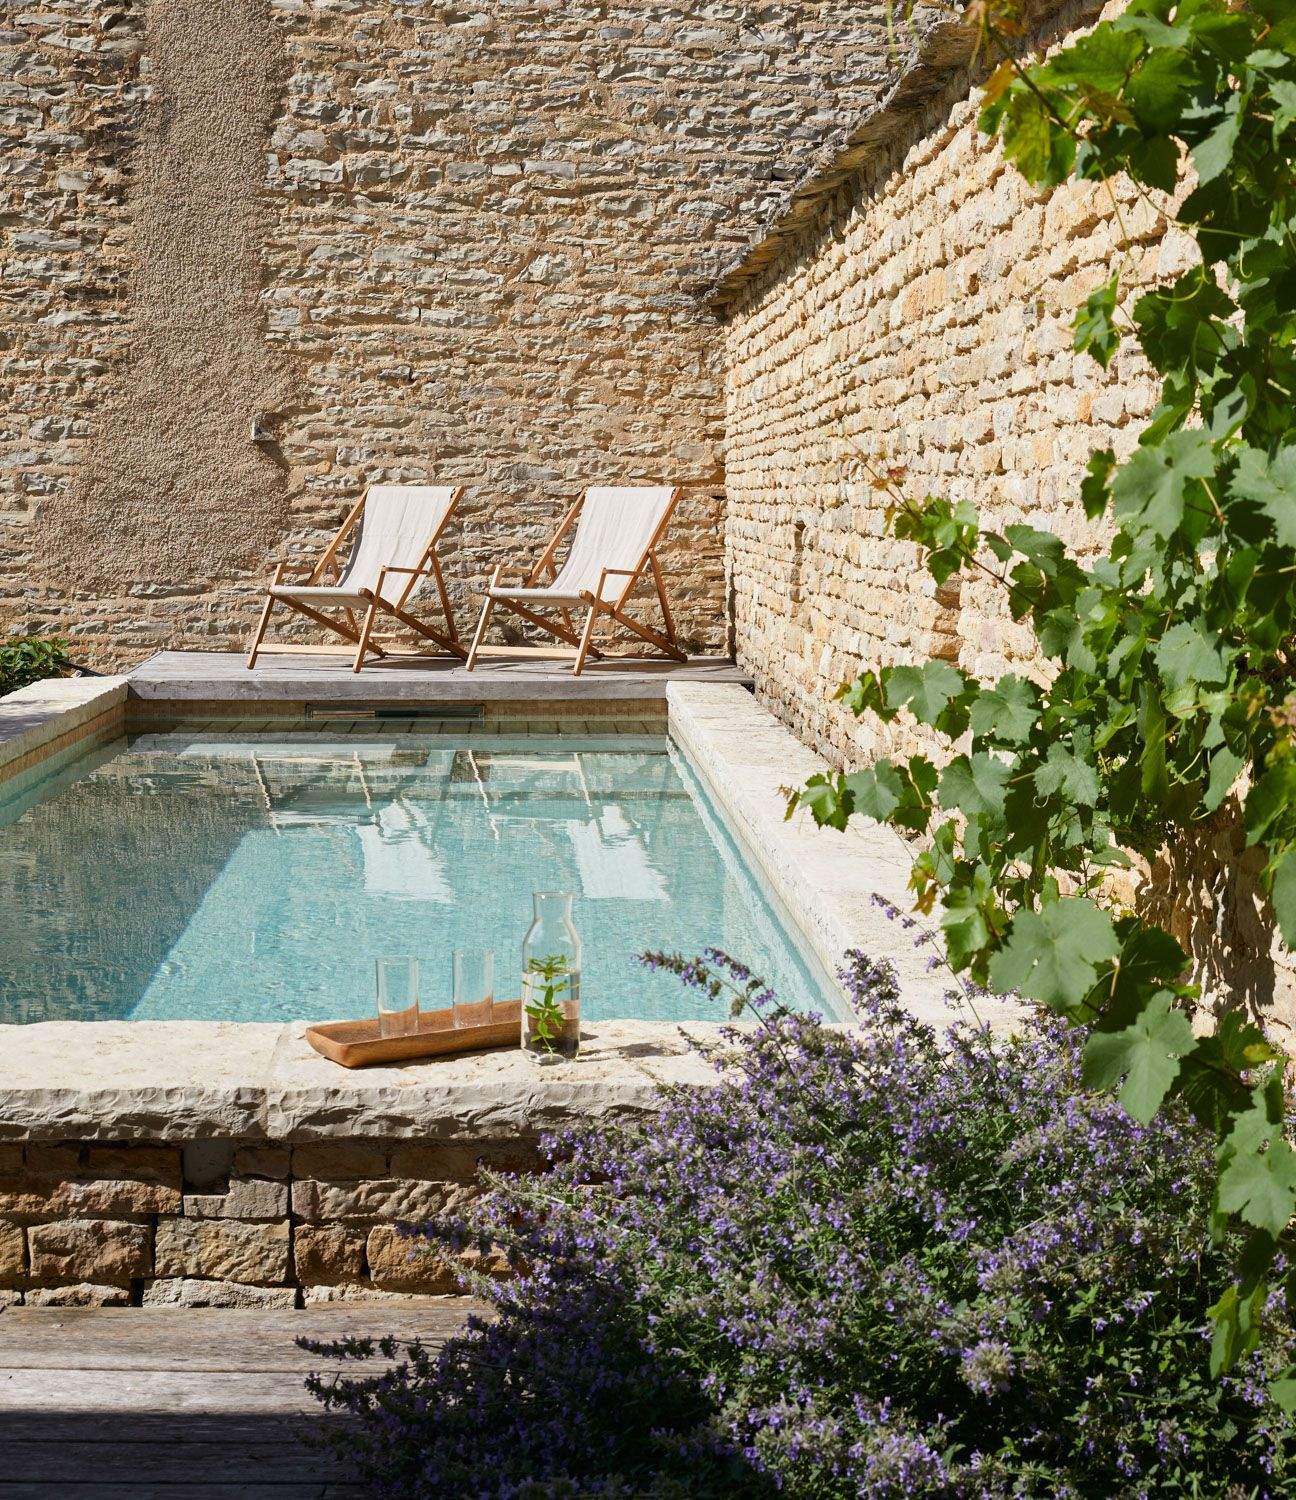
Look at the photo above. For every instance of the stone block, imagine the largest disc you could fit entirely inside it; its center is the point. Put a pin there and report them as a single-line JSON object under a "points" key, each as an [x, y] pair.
{"points": [[348, 1291], [189, 1292], [454, 1161], [250, 1198], [13, 1260], [388, 1198], [222, 1250], [11, 1159], [328, 1253], [340, 1161], [399, 1264], [138, 1162], [30, 1198], [207, 1165], [262, 1161], [80, 1294], [91, 1250]]}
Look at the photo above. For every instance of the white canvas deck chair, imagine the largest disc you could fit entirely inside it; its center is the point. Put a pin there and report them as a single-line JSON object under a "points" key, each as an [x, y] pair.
{"points": [[394, 533], [613, 550]]}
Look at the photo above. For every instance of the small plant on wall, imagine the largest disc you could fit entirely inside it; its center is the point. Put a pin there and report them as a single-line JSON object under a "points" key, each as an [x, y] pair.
{"points": [[26, 659], [1170, 660]]}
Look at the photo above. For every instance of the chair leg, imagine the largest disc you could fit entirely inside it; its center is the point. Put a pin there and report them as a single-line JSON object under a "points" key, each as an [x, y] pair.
{"points": [[583, 651], [261, 630], [364, 636], [480, 634]]}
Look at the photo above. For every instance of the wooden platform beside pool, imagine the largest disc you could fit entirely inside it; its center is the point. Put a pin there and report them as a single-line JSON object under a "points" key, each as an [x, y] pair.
{"points": [[321, 678], [181, 1403]]}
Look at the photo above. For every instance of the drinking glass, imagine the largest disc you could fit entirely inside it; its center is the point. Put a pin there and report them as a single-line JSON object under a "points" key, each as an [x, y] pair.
{"points": [[474, 986], [398, 983]]}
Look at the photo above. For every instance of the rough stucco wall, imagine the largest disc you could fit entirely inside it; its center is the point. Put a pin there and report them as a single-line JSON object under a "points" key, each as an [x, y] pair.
{"points": [[170, 481], [428, 242], [923, 319]]}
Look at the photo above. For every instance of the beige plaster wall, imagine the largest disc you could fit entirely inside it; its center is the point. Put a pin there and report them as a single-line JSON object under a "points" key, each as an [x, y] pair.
{"points": [[421, 242]]}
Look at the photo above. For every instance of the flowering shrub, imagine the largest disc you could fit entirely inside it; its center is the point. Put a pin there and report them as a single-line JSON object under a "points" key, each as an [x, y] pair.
{"points": [[867, 1262]]}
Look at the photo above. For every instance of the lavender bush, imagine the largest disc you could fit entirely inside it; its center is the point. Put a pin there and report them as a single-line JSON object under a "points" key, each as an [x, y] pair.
{"points": [[866, 1264]]}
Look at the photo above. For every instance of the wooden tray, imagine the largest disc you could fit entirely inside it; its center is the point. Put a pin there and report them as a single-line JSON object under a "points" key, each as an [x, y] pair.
{"points": [[357, 1044]]}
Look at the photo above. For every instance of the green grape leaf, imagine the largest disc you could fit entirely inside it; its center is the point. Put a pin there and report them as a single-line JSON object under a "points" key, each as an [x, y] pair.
{"points": [[1007, 711], [1095, 487], [1283, 896], [1212, 155], [826, 799], [1146, 1054], [1052, 955], [1260, 1186], [1151, 489], [1063, 771], [1184, 656], [1094, 326], [1269, 483], [974, 785], [924, 690], [876, 791]]}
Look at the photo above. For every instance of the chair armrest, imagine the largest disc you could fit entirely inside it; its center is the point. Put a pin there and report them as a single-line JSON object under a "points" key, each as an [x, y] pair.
{"points": [[285, 568]]}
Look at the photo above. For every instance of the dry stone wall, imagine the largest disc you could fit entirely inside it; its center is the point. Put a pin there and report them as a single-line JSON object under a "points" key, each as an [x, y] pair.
{"points": [[224, 1223], [407, 242], [921, 319]]}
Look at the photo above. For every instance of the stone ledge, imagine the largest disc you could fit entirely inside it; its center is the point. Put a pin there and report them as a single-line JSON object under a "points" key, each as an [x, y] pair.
{"points": [[193, 1080], [60, 709], [826, 880]]}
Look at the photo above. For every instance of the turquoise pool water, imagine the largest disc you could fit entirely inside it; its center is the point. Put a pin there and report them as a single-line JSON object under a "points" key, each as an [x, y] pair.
{"points": [[206, 877]]}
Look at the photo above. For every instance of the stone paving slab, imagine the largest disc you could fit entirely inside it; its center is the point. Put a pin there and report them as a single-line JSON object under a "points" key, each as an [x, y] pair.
{"points": [[223, 676], [59, 716], [826, 880], [190, 1080]]}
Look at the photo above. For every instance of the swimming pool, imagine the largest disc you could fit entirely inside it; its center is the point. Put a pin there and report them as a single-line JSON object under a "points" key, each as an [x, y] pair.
{"points": [[210, 877]]}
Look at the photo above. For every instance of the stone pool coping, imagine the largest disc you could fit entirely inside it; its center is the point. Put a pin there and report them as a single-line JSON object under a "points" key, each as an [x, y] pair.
{"points": [[186, 1080]]}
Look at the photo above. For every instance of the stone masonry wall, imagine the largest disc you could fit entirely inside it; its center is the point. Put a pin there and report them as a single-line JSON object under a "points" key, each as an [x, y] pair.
{"points": [[409, 242], [921, 318], [229, 1223]]}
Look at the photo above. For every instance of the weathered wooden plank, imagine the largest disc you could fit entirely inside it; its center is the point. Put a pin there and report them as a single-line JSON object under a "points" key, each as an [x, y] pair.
{"points": [[177, 1429], [151, 1391], [208, 1339], [162, 1462], [312, 1490]]}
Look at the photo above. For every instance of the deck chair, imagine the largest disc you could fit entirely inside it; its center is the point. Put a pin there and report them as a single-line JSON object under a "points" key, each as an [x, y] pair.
{"points": [[394, 533], [612, 551]]}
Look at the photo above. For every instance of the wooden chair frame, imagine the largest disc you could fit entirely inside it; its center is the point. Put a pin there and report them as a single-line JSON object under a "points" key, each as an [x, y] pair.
{"points": [[361, 634], [580, 642]]}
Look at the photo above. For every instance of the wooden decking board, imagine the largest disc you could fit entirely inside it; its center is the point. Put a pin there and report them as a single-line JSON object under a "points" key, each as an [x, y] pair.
{"points": [[181, 1403], [221, 676], [228, 1340]]}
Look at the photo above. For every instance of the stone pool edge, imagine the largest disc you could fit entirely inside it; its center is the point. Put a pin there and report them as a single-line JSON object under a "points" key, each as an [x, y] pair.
{"points": [[174, 1080], [227, 1164]]}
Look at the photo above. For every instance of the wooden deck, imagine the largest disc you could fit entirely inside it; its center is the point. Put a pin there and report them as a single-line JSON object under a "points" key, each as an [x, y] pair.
{"points": [[325, 678], [178, 1403]]}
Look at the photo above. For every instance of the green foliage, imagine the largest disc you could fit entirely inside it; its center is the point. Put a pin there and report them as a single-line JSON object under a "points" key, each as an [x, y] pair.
{"points": [[547, 982], [1170, 658], [31, 658]]}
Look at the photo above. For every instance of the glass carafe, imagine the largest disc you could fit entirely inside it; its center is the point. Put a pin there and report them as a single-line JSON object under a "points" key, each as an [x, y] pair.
{"points": [[551, 965]]}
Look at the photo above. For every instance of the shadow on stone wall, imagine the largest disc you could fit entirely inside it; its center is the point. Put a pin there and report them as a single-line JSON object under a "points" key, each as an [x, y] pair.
{"points": [[1206, 891]]}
